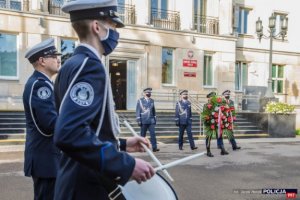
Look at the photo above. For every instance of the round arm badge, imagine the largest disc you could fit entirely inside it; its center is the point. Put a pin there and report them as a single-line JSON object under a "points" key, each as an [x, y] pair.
{"points": [[44, 93], [82, 93]]}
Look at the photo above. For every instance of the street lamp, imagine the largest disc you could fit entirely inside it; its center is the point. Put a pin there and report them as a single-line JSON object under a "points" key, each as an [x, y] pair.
{"points": [[283, 31]]}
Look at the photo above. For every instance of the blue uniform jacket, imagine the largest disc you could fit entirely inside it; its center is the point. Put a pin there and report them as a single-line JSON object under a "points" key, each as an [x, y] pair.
{"points": [[86, 157], [145, 111], [41, 155], [183, 114]]}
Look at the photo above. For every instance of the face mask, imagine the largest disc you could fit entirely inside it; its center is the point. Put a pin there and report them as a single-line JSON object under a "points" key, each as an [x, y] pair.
{"points": [[227, 97], [185, 98], [110, 42], [148, 95]]}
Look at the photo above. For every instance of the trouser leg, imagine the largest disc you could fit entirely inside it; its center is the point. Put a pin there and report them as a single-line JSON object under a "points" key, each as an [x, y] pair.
{"points": [[190, 136], [143, 130], [43, 188], [152, 136], [207, 143], [180, 136], [219, 141]]}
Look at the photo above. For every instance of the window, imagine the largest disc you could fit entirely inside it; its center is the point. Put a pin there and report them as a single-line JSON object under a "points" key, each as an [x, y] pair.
{"points": [[159, 8], [277, 78], [200, 15], [11, 4], [279, 18], [121, 2], [243, 20], [207, 71], [159, 4], [241, 75], [200, 7], [167, 66], [67, 47], [8, 56]]}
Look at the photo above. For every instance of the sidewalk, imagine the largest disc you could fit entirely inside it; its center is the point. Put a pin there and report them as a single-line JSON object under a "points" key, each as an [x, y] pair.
{"points": [[21, 147]]}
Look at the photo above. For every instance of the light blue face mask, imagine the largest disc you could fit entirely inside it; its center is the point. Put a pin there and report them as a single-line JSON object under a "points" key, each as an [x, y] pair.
{"points": [[110, 42]]}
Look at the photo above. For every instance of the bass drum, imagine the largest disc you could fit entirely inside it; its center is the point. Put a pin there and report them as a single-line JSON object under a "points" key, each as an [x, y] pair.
{"points": [[157, 188]]}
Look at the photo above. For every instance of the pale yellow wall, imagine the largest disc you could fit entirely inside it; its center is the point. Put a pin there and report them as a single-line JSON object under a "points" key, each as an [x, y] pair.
{"points": [[144, 44]]}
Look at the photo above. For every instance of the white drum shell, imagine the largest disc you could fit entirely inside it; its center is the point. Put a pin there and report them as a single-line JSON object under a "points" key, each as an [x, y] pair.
{"points": [[154, 189]]}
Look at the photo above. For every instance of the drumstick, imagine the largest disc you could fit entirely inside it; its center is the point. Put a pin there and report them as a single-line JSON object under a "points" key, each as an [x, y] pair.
{"points": [[149, 151], [177, 162]]}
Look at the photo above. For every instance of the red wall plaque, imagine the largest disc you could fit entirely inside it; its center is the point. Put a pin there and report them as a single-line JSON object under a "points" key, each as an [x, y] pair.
{"points": [[189, 74], [189, 63]]}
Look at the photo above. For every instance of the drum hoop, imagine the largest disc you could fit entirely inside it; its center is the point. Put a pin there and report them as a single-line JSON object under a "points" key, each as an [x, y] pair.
{"points": [[168, 184]]}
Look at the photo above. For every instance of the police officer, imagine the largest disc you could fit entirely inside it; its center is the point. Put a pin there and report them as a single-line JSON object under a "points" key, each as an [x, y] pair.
{"points": [[183, 119], [230, 104], [92, 165], [146, 118], [209, 136], [41, 155]]}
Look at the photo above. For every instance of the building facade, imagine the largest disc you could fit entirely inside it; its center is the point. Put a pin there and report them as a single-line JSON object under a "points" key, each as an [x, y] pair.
{"points": [[169, 45]]}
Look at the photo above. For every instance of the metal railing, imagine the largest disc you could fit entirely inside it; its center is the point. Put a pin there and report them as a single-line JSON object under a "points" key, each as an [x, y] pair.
{"points": [[11, 4], [197, 106], [165, 100], [206, 25], [127, 14], [165, 19], [54, 7]]}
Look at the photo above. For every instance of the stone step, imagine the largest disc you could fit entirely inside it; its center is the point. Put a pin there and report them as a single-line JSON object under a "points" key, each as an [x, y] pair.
{"points": [[12, 130], [12, 125], [11, 120]]}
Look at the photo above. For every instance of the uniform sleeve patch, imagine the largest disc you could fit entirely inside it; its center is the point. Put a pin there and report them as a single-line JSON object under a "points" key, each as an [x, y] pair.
{"points": [[44, 93], [82, 93]]}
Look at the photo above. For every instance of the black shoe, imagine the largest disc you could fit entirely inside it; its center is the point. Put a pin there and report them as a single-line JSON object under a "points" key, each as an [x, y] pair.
{"points": [[193, 148], [180, 148], [209, 154], [224, 152], [236, 148], [155, 150]]}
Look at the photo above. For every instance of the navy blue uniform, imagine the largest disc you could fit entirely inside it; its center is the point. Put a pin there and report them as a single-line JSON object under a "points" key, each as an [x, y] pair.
{"points": [[146, 118], [183, 119], [89, 161], [41, 155]]}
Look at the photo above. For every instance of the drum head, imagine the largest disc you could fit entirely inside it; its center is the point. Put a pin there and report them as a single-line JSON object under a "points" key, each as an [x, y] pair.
{"points": [[157, 188]]}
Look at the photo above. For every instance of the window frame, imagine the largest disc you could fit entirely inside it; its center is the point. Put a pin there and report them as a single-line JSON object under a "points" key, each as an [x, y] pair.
{"points": [[160, 10], [241, 85], [278, 21], [212, 69], [60, 46], [199, 11], [276, 79], [17, 76], [241, 11], [173, 67]]}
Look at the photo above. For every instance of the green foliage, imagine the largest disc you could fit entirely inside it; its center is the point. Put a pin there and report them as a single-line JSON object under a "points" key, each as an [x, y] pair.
{"points": [[298, 132], [280, 108], [213, 119]]}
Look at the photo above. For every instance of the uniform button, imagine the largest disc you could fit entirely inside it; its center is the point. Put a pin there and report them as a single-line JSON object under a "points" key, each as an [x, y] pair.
{"points": [[118, 178]]}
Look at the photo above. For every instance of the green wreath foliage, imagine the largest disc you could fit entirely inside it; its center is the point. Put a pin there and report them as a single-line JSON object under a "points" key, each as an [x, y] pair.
{"points": [[210, 116]]}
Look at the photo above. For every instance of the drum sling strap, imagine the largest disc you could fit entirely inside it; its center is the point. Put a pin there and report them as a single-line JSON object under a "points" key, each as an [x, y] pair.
{"points": [[114, 191]]}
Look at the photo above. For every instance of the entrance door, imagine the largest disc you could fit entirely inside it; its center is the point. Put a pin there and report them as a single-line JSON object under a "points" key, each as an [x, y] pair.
{"points": [[118, 77], [131, 84]]}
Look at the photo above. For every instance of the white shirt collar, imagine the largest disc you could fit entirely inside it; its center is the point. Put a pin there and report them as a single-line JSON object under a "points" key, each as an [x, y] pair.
{"points": [[91, 48]]}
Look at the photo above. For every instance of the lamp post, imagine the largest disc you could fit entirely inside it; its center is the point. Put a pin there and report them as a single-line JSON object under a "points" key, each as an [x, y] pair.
{"points": [[283, 31]]}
